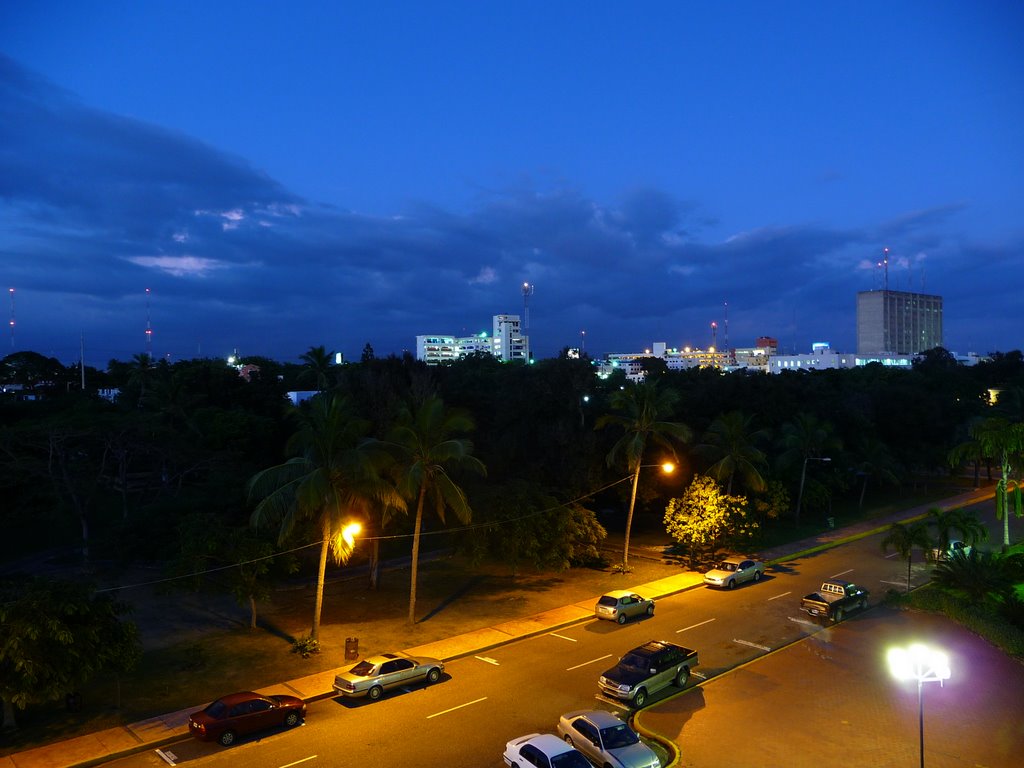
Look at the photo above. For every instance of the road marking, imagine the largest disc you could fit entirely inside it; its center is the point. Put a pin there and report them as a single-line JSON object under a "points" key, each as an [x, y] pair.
{"points": [[570, 669], [891, 555], [694, 626], [445, 712], [803, 621], [570, 639], [488, 660], [303, 760], [778, 596], [752, 645], [897, 583], [167, 756], [701, 675], [841, 573], [613, 702]]}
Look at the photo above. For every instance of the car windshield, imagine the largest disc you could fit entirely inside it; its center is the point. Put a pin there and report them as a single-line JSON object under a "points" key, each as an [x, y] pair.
{"points": [[634, 660], [571, 759], [607, 600], [216, 710], [362, 669], [618, 736], [727, 566]]}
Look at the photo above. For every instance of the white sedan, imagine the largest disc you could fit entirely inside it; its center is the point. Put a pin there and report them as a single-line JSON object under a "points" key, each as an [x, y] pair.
{"points": [[542, 749], [733, 571]]}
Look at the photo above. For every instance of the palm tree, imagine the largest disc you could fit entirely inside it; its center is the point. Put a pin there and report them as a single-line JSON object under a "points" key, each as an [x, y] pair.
{"points": [[996, 438], [903, 539], [979, 575], [806, 437], [971, 530], [730, 444], [142, 370], [642, 408], [874, 461], [328, 477], [316, 367], [424, 447]]}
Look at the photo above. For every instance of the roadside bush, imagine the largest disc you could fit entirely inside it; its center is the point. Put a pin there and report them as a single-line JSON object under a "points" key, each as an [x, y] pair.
{"points": [[992, 625]]}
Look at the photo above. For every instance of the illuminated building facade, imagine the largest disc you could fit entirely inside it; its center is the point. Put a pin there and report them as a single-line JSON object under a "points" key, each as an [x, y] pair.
{"points": [[898, 322]]}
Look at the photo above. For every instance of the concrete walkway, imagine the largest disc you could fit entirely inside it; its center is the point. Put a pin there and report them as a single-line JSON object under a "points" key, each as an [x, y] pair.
{"points": [[96, 748]]}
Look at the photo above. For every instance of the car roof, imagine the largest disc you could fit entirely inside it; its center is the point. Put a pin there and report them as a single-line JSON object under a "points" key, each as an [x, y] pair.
{"points": [[235, 698], [381, 658], [550, 744], [599, 717], [617, 593]]}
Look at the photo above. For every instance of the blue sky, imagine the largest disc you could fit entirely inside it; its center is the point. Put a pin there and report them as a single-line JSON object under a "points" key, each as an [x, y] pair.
{"points": [[285, 175]]}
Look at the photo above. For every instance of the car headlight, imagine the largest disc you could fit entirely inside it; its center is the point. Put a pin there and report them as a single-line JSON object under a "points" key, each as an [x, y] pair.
{"points": [[625, 688]]}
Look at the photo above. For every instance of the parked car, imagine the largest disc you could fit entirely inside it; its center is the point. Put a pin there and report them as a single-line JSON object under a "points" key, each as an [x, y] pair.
{"points": [[238, 714], [542, 750], [647, 669], [732, 571], [954, 549], [606, 740], [834, 599], [621, 605], [372, 676]]}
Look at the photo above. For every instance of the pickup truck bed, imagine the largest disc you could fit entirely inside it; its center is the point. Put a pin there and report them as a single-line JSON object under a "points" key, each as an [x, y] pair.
{"points": [[834, 599]]}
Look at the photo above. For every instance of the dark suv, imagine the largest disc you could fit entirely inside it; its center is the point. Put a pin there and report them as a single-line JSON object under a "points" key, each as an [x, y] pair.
{"points": [[647, 669]]}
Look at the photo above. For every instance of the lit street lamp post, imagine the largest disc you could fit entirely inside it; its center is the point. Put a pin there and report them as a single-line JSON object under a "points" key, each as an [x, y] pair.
{"points": [[921, 663], [803, 476]]}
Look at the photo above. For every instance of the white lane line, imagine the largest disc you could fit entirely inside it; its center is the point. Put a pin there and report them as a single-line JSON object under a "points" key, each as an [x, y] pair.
{"points": [[841, 573], [303, 760], [892, 554], [897, 583], [694, 626], [468, 703], [570, 669], [778, 596], [612, 702], [803, 621], [570, 639], [752, 645], [488, 660], [168, 757]]}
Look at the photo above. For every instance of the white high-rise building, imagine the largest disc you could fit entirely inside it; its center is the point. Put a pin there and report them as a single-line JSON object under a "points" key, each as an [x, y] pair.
{"points": [[898, 322], [505, 343], [508, 340]]}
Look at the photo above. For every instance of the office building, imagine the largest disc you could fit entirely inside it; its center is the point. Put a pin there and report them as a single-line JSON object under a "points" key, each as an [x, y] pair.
{"points": [[898, 322]]}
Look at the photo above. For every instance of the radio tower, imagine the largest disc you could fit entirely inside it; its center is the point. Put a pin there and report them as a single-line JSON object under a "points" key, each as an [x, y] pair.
{"points": [[11, 291], [884, 264], [527, 293], [714, 335], [149, 330]]}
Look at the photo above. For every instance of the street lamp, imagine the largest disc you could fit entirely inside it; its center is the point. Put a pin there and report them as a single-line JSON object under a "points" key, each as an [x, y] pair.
{"points": [[803, 476], [667, 467], [921, 663]]}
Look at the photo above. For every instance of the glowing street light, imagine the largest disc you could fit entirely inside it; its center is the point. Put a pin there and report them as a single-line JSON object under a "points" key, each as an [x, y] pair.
{"points": [[667, 467], [921, 663]]}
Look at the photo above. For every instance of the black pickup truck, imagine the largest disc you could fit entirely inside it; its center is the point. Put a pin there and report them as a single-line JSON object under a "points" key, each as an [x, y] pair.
{"points": [[647, 669], [834, 599]]}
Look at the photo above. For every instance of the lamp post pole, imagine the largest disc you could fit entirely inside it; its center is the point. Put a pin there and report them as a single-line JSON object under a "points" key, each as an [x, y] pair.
{"points": [[925, 665], [667, 467], [803, 476]]}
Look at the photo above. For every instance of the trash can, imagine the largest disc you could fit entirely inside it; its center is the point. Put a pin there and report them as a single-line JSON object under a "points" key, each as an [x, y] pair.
{"points": [[351, 648], [830, 522]]}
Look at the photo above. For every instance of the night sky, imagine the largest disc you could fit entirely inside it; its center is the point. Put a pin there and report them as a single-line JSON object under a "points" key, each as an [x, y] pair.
{"points": [[285, 175]]}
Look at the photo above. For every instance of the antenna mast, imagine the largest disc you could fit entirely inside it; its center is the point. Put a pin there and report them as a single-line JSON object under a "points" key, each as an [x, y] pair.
{"points": [[885, 265], [149, 330], [11, 291], [527, 293]]}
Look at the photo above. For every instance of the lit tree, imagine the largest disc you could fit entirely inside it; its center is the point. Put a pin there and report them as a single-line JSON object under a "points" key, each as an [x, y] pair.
{"points": [[705, 518]]}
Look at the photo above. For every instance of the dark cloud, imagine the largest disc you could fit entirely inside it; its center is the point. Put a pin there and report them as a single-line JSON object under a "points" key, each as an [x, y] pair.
{"points": [[94, 208]]}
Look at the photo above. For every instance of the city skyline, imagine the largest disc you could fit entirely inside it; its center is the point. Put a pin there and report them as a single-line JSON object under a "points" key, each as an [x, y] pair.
{"points": [[280, 178]]}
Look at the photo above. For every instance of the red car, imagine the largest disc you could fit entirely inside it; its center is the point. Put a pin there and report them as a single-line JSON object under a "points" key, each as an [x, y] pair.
{"points": [[241, 713]]}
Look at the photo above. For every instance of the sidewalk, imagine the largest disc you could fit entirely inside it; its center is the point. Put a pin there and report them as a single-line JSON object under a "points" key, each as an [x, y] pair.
{"points": [[96, 748]]}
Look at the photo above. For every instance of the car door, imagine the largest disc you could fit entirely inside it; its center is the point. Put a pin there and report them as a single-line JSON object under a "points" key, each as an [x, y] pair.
{"points": [[587, 740], [534, 756], [745, 571], [627, 605], [262, 714]]}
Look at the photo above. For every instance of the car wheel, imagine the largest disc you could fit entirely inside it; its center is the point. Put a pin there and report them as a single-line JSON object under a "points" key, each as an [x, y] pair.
{"points": [[731, 584], [682, 677], [433, 675], [838, 615], [375, 693], [863, 604], [640, 698], [291, 719], [227, 738], [621, 618], [757, 575], [650, 609], [568, 740]]}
